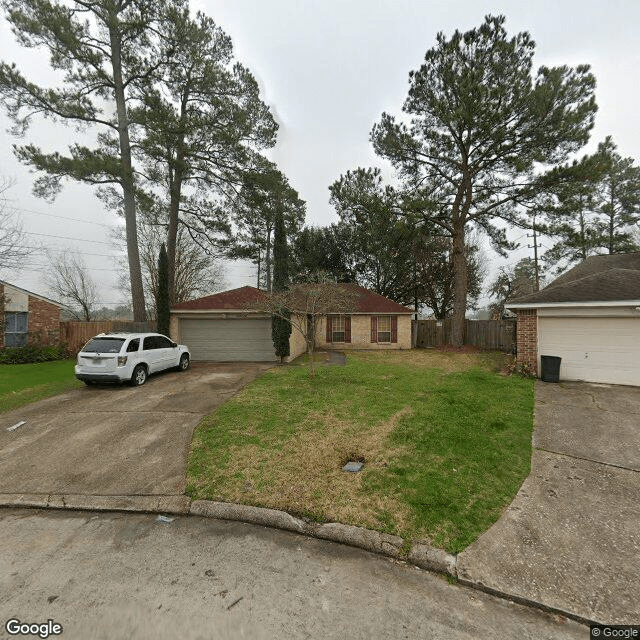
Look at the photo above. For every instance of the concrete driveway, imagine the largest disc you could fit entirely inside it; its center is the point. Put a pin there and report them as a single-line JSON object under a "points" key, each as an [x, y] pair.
{"points": [[114, 440], [571, 537]]}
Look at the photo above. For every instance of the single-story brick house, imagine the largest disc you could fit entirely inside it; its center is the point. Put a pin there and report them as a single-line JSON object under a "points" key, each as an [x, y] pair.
{"points": [[224, 327], [589, 317], [28, 318]]}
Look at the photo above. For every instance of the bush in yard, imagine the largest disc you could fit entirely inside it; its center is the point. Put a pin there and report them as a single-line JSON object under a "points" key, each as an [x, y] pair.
{"points": [[523, 369], [31, 354]]}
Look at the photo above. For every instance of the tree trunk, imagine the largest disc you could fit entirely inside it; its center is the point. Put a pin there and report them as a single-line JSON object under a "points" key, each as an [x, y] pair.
{"points": [[175, 197], [128, 190], [172, 238], [460, 287], [611, 220], [258, 285], [583, 235]]}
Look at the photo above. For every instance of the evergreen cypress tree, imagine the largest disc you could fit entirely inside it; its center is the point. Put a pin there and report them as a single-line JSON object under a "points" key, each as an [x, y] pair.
{"points": [[280, 325], [162, 295]]}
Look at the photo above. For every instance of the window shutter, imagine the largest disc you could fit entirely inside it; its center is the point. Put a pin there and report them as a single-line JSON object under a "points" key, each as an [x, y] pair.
{"points": [[374, 329], [394, 328], [347, 328], [329, 328]]}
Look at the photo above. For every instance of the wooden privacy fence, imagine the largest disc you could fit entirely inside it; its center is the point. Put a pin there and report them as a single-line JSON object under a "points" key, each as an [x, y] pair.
{"points": [[75, 334], [489, 334]]}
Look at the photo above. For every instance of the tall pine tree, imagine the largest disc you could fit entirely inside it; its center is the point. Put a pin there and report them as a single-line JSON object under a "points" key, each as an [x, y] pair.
{"points": [[102, 50], [481, 133]]}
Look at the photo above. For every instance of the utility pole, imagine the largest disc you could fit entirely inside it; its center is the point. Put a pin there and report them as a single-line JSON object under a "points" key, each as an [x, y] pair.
{"points": [[535, 252]]}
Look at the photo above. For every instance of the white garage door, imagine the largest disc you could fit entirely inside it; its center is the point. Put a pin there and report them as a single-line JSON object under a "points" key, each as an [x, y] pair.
{"points": [[239, 339], [593, 349]]}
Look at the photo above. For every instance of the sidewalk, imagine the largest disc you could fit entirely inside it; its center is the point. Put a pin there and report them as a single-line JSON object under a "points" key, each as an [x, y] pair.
{"points": [[570, 540]]}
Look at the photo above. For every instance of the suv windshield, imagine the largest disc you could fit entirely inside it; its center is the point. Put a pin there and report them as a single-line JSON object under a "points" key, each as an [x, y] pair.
{"points": [[103, 345]]}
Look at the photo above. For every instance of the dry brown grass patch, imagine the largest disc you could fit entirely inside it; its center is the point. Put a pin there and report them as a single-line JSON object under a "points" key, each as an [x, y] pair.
{"points": [[305, 475], [447, 361]]}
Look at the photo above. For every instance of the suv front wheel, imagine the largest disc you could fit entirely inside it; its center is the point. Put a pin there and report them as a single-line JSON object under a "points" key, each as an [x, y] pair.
{"points": [[184, 362], [139, 376]]}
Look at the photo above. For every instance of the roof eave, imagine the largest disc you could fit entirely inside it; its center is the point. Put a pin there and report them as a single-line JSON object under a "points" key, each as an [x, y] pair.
{"points": [[32, 294], [582, 303]]}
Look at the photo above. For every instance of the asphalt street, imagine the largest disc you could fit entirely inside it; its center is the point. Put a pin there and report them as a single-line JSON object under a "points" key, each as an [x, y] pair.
{"points": [[133, 576]]}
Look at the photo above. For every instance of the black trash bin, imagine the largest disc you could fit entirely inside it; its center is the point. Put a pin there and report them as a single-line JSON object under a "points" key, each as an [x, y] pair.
{"points": [[550, 368]]}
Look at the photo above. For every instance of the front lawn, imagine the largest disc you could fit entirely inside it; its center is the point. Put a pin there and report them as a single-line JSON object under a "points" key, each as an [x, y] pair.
{"points": [[445, 438], [22, 384]]}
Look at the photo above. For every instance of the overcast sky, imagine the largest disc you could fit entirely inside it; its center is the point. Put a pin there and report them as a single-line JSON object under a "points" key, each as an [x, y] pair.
{"points": [[329, 68]]}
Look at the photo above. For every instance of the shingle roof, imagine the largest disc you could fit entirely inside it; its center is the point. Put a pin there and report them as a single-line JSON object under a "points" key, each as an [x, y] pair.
{"points": [[365, 301], [369, 302], [240, 298], [598, 264], [606, 278], [608, 286]]}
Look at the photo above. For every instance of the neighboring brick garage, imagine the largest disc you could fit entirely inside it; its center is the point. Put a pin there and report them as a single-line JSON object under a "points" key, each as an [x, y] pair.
{"points": [[28, 318], [589, 317]]}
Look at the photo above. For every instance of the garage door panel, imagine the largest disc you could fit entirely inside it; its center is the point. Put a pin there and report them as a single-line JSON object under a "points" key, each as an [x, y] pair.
{"points": [[229, 339], [593, 349]]}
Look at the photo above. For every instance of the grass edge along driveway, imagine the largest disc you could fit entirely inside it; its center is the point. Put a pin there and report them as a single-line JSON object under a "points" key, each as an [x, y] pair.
{"points": [[445, 438], [22, 384]]}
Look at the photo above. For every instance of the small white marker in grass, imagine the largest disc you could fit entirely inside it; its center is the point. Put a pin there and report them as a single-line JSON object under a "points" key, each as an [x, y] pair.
{"points": [[18, 424]]}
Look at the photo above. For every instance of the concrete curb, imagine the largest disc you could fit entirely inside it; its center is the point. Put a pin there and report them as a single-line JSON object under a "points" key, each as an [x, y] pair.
{"points": [[149, 504], [420, 554], [382, 543]]}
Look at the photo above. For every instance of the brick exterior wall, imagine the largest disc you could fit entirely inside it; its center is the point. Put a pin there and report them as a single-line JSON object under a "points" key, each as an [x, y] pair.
{"points": [[527, 336], [361, 335], [44, 322]]}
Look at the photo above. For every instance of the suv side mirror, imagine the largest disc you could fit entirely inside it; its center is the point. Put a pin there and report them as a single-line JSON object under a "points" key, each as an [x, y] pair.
{"points": [[174, 344]]}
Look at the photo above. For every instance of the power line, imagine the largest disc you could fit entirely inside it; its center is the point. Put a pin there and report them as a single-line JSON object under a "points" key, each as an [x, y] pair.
{"points": [[48, 235], [54, 215], [61, 250], [39, 267]]}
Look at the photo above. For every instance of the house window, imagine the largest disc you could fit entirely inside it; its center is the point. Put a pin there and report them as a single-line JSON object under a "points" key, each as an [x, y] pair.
{"points": [[16, 326], [384, 328], [337, 329]]}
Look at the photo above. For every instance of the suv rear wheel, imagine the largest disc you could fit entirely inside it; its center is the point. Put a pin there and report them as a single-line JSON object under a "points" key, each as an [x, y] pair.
{"points": [[139, 376]]}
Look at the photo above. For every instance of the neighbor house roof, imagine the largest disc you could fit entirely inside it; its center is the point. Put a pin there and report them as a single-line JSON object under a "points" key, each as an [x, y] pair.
{"points": [[235, 299], [30, 293], [599, 279], [609, 286], [598, 264], [365, 301]]}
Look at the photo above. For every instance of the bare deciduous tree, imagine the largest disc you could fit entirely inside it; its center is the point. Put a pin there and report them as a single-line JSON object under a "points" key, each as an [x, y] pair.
{"points": [[198, 271], [12, 238], [305, 304], [70, 282]]}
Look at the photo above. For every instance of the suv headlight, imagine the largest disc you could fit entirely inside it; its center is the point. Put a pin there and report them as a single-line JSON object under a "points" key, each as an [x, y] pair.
{"points": [[122, 360]]}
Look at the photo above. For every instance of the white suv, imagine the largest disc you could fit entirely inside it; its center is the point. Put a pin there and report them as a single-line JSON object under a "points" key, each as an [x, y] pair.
{"points": [[129, 357]]}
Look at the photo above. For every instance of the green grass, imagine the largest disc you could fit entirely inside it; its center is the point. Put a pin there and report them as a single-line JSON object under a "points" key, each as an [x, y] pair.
{"points": [[446, 441], [21, 384]]}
